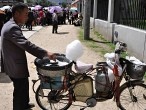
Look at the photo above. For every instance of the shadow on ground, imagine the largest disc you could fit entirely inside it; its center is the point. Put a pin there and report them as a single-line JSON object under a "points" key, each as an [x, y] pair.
{"points": [[29, 30], [63, 33], [4, 78], [98, 41]]}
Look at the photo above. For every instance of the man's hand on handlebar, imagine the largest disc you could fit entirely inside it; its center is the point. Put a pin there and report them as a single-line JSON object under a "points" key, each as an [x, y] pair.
{"points": [[52, 56]]}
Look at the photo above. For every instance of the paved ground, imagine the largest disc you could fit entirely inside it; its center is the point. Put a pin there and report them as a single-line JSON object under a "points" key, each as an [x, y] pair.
{"points": [[54, 43]]}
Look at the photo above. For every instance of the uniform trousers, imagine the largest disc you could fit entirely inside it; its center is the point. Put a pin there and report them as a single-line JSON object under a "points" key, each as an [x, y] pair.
{"points": [[20, 93]]}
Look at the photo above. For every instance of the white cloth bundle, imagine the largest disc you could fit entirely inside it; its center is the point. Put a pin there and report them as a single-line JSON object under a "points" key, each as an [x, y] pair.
{"points": [[134, 60]]}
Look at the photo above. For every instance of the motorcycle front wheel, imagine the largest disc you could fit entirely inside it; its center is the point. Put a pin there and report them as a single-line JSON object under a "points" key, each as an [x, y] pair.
{"points": [[133, 97]]}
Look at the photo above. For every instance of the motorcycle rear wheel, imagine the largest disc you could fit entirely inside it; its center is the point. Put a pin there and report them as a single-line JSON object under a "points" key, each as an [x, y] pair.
{"points": [[48, 99]]}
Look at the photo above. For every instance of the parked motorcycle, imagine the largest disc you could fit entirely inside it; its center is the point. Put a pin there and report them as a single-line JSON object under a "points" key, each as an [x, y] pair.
{"points": [[61, 85]]}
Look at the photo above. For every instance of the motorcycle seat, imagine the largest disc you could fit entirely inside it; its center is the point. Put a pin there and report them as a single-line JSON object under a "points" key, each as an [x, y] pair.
{"points": [[81, 67]]}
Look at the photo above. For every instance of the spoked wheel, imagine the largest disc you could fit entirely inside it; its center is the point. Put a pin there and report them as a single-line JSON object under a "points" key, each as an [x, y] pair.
{"points": [[53, 100], [133, 99]]}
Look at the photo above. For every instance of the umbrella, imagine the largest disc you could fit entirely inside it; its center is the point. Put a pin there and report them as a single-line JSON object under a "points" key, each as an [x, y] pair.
{"points": [[38, 7], [73, 9], [32, 8], [57, 8], [6, 7]]}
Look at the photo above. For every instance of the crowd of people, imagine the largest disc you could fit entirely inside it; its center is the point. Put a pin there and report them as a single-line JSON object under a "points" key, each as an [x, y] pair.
{"points": [[44, 17]]}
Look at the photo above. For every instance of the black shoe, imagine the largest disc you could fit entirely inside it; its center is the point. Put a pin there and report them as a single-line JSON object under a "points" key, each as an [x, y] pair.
{"points": [[29, 106]]}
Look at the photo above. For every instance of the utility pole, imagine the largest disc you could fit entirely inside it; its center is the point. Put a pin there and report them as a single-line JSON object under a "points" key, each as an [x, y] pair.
{"points": [[87, 8], [82, 12]]}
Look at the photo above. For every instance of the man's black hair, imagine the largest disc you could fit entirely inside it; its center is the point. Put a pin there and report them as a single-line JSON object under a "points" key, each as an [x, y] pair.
{"points": [[18, 7]]}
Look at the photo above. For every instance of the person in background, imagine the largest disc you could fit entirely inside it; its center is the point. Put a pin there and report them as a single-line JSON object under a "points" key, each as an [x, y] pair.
{"points": [[35, 13], [78, 21], [55, 21], [49, 18], [71, 18], [14, 45], [41, 17], [75, 14], [8, 15], [67, 15], [2, 19], [64, 16], [30, 19]]}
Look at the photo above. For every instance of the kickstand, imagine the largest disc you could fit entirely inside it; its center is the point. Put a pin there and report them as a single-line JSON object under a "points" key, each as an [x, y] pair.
{"points": [[85, 107], [34, 81]]}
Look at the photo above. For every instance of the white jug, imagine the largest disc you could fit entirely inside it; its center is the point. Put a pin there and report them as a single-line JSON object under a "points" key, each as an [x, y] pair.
{"points": [[74, 50], [111, 61]]}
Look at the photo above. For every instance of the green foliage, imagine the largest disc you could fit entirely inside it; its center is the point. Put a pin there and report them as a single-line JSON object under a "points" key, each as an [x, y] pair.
{"points": [[98, 43], [99, 36], [49, 3], [44, 3], [81, 35], [64, 5], [29, 1], [145, 76]]}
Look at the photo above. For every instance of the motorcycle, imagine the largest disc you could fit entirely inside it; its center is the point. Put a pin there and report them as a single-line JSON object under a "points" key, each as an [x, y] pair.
{"points": [[61, 85]]}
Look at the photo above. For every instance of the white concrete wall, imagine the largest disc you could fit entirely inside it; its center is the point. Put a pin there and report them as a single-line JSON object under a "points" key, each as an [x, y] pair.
{"points": [[144, 56], [105, 28], [135, 39], [91, 22]]}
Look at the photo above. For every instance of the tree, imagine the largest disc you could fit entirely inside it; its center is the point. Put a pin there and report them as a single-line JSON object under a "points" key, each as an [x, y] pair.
{"points": [[49, 3], [43, 3], [29, 1], [64, 4]]}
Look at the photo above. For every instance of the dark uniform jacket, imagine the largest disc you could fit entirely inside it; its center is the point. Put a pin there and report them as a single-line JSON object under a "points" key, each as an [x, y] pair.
{"points": [[14, 45]]}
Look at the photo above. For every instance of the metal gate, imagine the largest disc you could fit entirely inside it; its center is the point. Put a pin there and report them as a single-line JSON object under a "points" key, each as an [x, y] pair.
{"points": [[102, 9], [131, 13]]}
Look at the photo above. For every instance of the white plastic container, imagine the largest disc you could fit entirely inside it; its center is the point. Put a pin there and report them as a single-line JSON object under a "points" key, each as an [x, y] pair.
{"points": [[111, 61], [74, 50], [111, 75]]}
